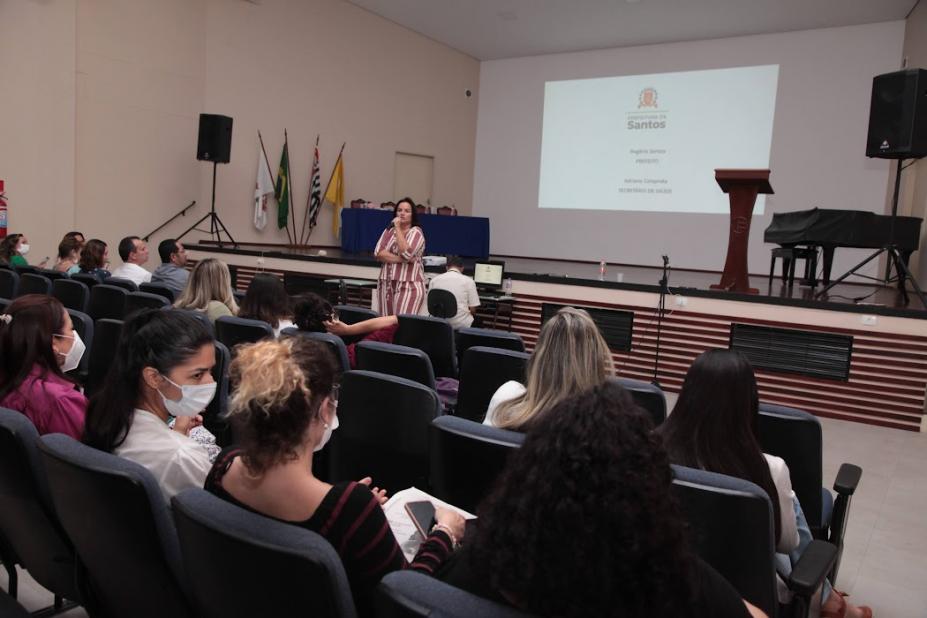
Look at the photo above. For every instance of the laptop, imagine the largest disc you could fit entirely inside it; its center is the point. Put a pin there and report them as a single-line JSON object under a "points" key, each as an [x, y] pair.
{"points": [[488, 277]]}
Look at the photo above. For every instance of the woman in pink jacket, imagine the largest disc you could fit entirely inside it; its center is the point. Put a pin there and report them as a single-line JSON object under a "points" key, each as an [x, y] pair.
{"points": [[38, 345]]}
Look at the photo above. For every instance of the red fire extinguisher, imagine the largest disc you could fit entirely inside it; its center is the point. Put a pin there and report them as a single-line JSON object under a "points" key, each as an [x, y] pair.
{"points": [[2, 212]]}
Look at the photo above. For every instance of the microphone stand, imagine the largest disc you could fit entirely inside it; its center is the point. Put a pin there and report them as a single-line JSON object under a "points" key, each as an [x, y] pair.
{"points": [[664, 290]]}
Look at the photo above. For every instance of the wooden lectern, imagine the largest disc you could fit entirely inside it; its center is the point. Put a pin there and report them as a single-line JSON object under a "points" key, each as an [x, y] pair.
{"points": [[742, 186]]}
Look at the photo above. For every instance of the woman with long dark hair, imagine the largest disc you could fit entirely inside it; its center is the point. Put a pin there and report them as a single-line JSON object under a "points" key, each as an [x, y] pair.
{"points": [[161, 370], [38, 345], [267, 300], [401, 285], [714, 426], [582, 523], [94, 258]]}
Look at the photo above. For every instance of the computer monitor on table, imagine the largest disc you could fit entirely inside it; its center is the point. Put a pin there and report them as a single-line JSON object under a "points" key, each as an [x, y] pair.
{"points": [[488, 275]]}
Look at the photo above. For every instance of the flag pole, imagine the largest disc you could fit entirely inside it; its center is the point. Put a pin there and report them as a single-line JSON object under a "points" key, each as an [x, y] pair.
{"points": [[292, 212], [303, 238], [266, 161], [332, 175], [286, 149]]}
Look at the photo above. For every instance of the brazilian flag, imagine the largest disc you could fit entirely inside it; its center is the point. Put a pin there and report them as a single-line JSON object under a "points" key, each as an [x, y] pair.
{"points": [[282, 190]]}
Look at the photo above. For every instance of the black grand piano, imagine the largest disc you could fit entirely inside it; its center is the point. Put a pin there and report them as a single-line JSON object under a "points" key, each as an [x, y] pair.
{"points": [[830, 229]]}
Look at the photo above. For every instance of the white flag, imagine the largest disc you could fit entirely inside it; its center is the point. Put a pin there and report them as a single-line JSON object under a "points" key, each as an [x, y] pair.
{"points": [[263, 187]]}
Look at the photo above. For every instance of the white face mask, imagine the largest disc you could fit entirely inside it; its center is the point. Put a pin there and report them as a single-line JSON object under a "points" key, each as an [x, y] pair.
{"points": [[23, 249], [193, 398], [72, 358], [327, 435]]}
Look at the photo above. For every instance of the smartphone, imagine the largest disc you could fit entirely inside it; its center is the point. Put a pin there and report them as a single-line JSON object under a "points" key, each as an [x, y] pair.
{"points": [[423, 516]]}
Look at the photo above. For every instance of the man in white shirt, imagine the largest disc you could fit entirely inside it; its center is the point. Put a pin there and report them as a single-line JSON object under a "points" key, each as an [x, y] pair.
{"points": [[462, 287], [134, 252]]}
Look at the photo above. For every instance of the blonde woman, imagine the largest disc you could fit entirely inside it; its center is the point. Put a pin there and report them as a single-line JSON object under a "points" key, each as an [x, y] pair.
{"points": [[570, 357], [209, 289], [284, 410]]}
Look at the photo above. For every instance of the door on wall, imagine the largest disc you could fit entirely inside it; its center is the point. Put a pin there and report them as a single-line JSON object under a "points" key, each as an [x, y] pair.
{"points": [[413, 177]]}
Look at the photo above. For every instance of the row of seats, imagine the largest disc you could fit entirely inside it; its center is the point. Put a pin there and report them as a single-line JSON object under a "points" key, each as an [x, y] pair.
{"points": [[457, 460], [115, 298], [395, 436], [94, 528]]}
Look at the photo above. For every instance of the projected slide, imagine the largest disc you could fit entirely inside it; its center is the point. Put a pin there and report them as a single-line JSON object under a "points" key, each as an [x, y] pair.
{"points": [[652, 142]]}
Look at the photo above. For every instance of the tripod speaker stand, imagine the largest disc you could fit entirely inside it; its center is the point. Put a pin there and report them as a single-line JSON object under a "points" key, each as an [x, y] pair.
{"points": [[214, 144], [894, 256], [216, 227]]}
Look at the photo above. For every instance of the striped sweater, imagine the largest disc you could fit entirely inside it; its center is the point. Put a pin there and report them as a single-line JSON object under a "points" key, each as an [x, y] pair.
{"points": [[351, 519]]}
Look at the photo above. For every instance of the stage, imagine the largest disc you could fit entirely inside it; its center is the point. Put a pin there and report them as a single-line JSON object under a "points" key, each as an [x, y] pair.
{"points": [[884, 343]]}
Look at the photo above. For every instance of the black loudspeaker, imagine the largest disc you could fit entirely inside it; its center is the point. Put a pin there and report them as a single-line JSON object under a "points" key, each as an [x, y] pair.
{"points": [[215, 141], [898, 115]]}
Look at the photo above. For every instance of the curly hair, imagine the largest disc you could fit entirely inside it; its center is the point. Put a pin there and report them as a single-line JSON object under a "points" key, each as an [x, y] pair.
{"points": [[311, 311], [279, 388], [582, 521]]}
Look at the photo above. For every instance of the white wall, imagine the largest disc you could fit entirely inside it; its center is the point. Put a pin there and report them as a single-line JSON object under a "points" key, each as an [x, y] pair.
{"points": [[37, 119], [817, 159], [99, 106], [329, 68]]}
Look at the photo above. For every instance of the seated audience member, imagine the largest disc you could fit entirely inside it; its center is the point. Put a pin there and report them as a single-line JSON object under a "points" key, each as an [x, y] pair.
{"points": [[133, 251], [161, 369], [314, 314], [570, 357], [267, 300], [68, 256], [209, 289], [37, 346], [283, 410], [713, 427], [78, 236], [13, 250], [582, 522], [171, 273], [94, 259], [462, 287]]}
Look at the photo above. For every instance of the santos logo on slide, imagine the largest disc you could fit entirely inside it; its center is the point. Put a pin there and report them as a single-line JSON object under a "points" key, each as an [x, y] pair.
{"points": [[642, 118], [652, 142], [647, 98]]}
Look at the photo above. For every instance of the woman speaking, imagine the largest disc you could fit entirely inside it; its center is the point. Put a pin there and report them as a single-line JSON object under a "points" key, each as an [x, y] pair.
{"points": [[401, 286]]}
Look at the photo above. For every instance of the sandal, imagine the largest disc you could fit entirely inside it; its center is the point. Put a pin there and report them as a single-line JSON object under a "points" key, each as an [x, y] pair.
{"points": [[841, 610]]}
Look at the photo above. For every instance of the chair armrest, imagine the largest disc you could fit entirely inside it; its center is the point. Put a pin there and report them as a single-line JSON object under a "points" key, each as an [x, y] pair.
{"points": [[811, 569], [847, 479]]}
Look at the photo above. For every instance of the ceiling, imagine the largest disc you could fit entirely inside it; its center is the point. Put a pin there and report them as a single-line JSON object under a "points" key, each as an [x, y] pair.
{"points": [[494, 29]]}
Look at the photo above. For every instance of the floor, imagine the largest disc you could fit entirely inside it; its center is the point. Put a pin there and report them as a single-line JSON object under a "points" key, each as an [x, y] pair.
{"points": [[885, 559]]}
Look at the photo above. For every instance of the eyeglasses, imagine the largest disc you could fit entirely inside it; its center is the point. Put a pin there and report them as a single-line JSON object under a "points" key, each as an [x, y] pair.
{"points": [[334, 394]]}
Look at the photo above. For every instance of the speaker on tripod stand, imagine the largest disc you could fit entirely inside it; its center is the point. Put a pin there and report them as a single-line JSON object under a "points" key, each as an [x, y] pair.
{"points": [[897, 130], [214, 144]]}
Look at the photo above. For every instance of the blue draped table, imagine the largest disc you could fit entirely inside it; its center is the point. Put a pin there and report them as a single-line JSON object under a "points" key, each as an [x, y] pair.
{"points": [[444, 234]]}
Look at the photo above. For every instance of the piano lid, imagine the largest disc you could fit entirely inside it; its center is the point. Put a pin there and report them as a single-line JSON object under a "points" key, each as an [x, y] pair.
{"points": [[842, 228]]}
